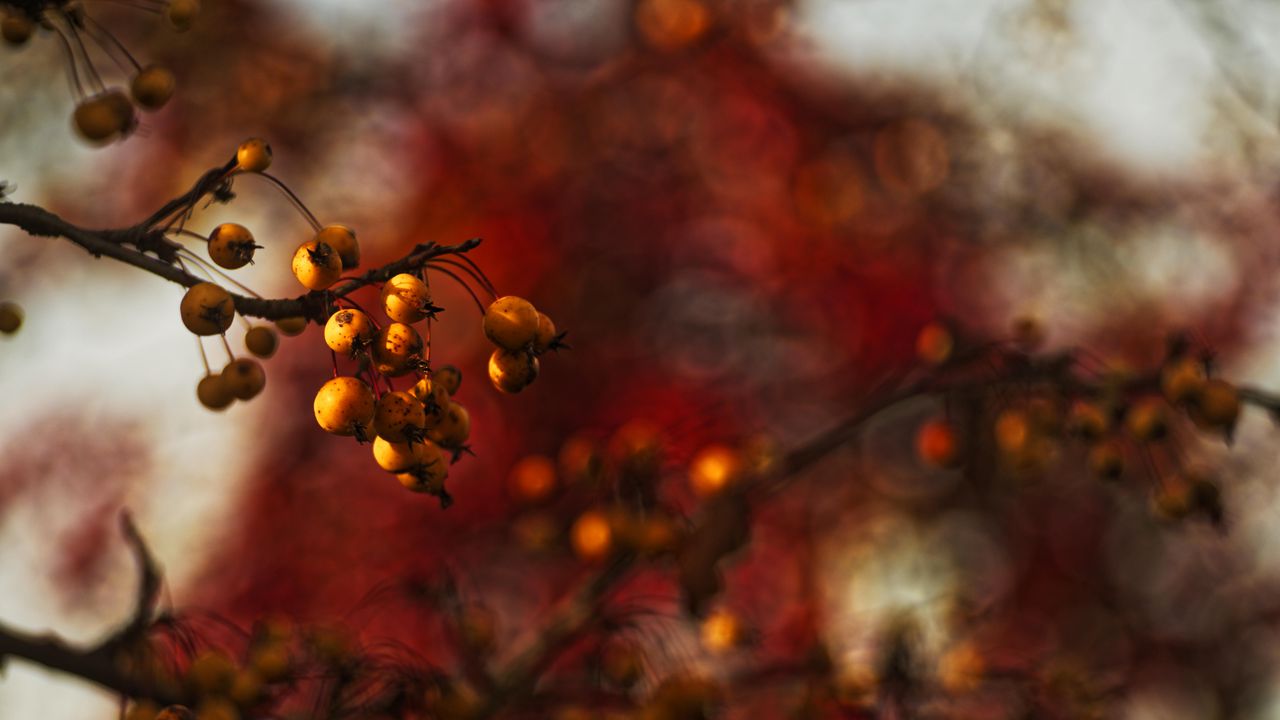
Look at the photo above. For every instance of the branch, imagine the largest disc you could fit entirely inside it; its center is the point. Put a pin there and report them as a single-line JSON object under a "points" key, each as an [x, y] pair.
{"points": [[146, 247]]}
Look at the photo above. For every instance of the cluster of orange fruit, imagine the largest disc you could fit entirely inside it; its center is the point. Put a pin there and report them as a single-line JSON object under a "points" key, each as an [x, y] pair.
{"points": [[522, 334], [1124, 417], [109, 113], [207, 309], [218, 686]]}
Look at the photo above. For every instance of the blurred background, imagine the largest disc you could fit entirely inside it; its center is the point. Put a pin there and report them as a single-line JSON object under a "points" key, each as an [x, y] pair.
{"points": [[742, 211]]}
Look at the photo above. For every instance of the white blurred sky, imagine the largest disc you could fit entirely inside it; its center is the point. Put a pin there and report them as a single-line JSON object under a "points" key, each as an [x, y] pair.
{"points": [[1133, 77]]}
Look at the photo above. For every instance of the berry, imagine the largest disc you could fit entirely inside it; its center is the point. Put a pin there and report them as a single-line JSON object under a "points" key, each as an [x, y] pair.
{"points": [[1217, 406], [636, 448], [448, 376], [316, 265], [713, 469], [1087, 420], [1181, 380], [344, 405], [102, 117], [292, 327], [182, 13], [231, 246], [937, 444], [400, 457], [152, 87], [207, 309], [592, 536], [262, 341], [1106, 460], [1012, 431], [395, 348], [211, 673], [512, 371], [430, 474], [532, 479], [454, 428], [244, 378], [545, 337], [434, 398], [721, 631], [342, 239], [511, 323], [934, 344], [11, 316], [253, 155], [16, 28], [1147, 420], [399, 417], [213, 392], [406, 299], [348, 332]]}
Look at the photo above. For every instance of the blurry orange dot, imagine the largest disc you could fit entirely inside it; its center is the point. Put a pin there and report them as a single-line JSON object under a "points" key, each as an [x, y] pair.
{"points": [[721, 631], [911, 157], [672, 24], [579, 459], [636, 447], [532, 479], [714, 468], [828, 191], [1012, 431], [592, 537], [934, 344], [936, 443]]}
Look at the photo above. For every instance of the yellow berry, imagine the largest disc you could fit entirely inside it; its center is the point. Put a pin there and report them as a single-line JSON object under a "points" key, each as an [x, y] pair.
{"points": [[512, 370], [102, 117], [405, 298], [401, 457], [546, 334], [1181, 380], [1147, 420], [316, 265], [244, 378], [182, 13], [348, 332], [511, 323], [434, 398], [430, 473], [207, 309], [448, 376], [343, 240], [231, 246], [261, 341], [152, 87], [292, 326], [399, 417], [213, 393], [11, 317], [453, 429], [395, 349], [344, 405], [1217, 406], [721, 631]]}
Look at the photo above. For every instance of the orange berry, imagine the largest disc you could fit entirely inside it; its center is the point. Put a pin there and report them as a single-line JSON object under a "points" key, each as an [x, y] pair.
{"points": [[532, 479], [245, 378], [213, 393], [344, 405], [1147, 419], [16, 28], [1012, 431], [261, 341], [713, 469], [231, 246], [1087, 420], [316, 265], [182, 13], [1217, 406], [348, 332], [512, 371], [395, 349], [399, 417], [1106, 460], [448, 376], [592, 536], [721, 631], [102, 117], [511, 323], [454, 428], [934, 344], [937, 444], [292, 327], [406, 299], [152, 87], [1181, 380], [207, 309], [545, 335], [343, 240], [253, 155]]}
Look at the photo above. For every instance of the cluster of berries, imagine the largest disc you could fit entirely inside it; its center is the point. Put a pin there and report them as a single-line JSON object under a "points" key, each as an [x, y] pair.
{"points": [[522, 334], [103, 113], [1119, 417]]}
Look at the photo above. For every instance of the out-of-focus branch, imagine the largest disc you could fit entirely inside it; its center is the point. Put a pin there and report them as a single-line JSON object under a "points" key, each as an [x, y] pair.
{"points": [[104, 664]]}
